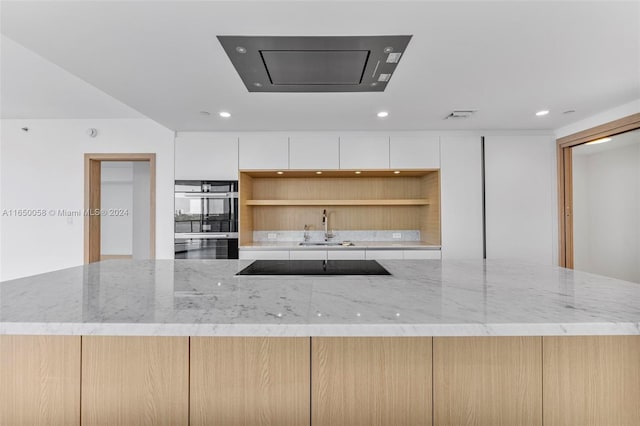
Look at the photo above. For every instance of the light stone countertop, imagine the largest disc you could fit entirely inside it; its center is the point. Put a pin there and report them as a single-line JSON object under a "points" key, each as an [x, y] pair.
{"points": [[420, 298]]}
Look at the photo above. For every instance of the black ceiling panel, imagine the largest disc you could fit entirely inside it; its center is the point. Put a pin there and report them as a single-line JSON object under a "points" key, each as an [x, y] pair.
{"points": [[314, 64]]}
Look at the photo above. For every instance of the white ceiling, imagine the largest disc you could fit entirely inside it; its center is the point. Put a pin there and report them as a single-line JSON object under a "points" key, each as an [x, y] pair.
{"points": [[506, 59], [33, 87]]}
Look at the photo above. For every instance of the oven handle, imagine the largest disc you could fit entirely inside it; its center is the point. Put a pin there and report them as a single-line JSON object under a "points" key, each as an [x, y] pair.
{"points": [[219, 195], [206, 235]]}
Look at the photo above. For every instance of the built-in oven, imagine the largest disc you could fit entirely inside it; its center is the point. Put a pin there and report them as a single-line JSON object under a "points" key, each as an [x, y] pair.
{"points": [[206, 219]]}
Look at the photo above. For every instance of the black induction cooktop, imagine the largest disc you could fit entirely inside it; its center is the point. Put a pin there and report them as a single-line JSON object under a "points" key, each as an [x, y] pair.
{"points": [[314, 267]]}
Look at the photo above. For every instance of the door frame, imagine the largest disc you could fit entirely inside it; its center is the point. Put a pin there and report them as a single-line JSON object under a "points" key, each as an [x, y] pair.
{"points": [[565, 178], [92, 182]]}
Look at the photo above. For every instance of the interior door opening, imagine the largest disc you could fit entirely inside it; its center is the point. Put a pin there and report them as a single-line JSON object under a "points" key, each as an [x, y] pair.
{"points": [[119, 206]]}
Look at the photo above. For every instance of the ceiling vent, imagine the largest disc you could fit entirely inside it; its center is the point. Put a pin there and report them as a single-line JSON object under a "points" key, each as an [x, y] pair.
{"points": [[459, 114], [315, 64]]}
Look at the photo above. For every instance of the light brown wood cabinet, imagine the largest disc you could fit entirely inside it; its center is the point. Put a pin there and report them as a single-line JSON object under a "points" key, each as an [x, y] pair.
{"points": [[370, 200], [362, 381], [135, 381], [93, 380], [492, 381], [40, 380], [250, 381], [591, 380]]}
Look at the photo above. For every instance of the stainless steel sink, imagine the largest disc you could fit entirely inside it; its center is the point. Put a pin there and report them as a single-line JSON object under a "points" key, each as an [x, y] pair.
{"points": [[325, 243]]}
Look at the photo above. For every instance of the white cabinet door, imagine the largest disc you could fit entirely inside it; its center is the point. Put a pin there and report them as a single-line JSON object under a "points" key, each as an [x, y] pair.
{"points": [[461, 196], [346, 254], [308, 255], [264, 254], [520, 197], [422, 254], [384, 254], [414, 150], [314, 151], [264, 151], [206, 156], [359, 150]]}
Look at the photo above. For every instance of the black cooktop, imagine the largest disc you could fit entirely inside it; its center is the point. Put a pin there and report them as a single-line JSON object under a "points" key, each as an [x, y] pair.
{"points": [[314, 267]]}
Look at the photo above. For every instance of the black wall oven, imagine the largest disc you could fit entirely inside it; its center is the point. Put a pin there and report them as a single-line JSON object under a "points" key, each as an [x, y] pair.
{"points": [[206, 219]]}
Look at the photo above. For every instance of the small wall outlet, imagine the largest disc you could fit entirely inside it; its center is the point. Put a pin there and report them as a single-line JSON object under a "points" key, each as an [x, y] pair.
{"points": [[272, 236], [396, 235]]}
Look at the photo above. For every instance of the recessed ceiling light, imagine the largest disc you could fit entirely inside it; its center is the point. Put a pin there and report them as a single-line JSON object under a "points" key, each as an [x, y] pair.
{"points": [[280, 173], [257, 84], [318, 172], [383, 114], [541, 113], [397, 172], [388, 49], [225, 114], [241, 49], [205, 113], [375, 83], [597, 141], [358, 172]]}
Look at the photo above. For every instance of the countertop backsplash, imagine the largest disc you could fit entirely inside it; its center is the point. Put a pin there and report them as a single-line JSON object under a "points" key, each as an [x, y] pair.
{"points": [[315, 235]]}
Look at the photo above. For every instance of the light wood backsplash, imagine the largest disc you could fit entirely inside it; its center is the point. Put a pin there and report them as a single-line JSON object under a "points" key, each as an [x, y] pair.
{"points": [[422, 212]]}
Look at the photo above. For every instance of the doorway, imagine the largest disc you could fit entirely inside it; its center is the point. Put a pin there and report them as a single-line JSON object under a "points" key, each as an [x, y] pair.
{"points": [[566, 184], [606, 206], [119, 206]]}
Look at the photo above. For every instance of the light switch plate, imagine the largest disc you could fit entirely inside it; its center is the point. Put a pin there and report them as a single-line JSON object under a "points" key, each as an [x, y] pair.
{"points": [[396, 235], [272, 236]]}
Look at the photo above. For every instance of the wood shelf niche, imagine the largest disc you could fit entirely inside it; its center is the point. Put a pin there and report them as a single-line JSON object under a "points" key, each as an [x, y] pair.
{"points": [[373, 200]]}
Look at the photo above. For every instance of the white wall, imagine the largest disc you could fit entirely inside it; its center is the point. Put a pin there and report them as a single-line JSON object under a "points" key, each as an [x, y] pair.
{"points": [[606, 212], [116, 192], [44, 169]]}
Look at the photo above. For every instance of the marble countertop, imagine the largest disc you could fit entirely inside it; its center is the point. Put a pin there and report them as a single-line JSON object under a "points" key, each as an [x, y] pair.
{"points": [[357, 245], [420, 298]]}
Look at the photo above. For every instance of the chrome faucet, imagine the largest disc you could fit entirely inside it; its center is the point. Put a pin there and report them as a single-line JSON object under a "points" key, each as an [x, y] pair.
{"points": [[325, 222], [306, 236]]}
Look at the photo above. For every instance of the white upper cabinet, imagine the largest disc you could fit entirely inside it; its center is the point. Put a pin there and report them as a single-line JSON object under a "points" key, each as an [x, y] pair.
{"points": [[264, 151], [461, 197], [206, 156], [414, 150], [314, 151], [359, 150], [520, 197]]}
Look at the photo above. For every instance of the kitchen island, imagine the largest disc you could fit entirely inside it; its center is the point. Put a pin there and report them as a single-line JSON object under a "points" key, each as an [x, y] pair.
{"points": [[442, 343]]}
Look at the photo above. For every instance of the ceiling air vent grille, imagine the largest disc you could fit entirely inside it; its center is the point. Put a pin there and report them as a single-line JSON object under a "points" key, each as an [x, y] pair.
{"points": [[460, 114]]}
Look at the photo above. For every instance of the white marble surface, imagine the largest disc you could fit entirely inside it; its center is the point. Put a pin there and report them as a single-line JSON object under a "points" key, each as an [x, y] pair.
{"points": [[420, 298]]}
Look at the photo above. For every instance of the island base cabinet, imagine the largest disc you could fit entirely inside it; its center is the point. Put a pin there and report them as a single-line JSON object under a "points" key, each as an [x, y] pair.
{"points": [[592, 381], [362, 381], [135, 381], [487, 381], [250, 381], [39, 380]]}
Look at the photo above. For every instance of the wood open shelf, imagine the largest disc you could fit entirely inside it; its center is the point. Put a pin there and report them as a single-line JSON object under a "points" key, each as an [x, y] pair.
{"points": [[400, 202], [371, 200]]}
